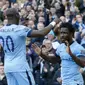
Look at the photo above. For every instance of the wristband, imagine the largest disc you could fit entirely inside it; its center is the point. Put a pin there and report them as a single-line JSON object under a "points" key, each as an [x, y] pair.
{"points": [[53, 23], [84, 69]]}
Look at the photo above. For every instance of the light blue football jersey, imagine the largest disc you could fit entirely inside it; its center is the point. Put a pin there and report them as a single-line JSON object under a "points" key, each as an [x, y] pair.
{"points": [[69, 69], [13, 38]]}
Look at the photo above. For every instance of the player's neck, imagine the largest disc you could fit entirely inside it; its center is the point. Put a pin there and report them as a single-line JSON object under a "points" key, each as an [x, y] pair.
{"points": [[12, 22]]}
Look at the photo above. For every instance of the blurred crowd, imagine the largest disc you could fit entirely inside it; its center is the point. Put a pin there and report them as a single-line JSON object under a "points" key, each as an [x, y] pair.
{"points": [[37, 14]]}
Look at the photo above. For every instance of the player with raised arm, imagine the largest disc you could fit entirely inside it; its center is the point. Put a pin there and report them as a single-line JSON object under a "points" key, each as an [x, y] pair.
{"points": [[12, 38]]}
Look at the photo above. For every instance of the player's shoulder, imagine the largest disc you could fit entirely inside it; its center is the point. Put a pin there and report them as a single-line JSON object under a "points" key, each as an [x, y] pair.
{"points": [[77, 46], [21, 27], [13, 27], [8, 28]]}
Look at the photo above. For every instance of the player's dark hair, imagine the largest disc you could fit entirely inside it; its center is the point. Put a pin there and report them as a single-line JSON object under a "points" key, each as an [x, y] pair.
{"points": [[69, 26]]}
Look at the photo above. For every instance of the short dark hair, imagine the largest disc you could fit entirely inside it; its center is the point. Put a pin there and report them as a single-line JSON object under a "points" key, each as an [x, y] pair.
{"points": [[12, 12], [69, 26]]}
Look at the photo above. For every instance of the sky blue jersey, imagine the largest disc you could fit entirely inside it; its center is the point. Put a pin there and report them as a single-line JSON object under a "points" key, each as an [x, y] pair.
{"points": [[69, 69], [13, 38]]}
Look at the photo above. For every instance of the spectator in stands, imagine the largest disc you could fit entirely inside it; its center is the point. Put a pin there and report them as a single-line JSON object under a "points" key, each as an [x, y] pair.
{"points": [[3, 80]]}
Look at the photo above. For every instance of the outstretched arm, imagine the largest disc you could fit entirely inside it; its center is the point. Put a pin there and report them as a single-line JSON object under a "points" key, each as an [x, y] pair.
{"points": [[45, 55], [46, 30], [79, 61]]}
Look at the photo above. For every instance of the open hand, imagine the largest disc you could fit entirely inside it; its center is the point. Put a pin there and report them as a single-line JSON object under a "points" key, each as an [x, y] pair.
{"points": [[68, 50], [37, 49], [57, 20]]}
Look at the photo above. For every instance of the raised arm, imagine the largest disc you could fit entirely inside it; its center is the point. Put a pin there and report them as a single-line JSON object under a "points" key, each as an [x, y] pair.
{"points": [[46, 30], [45, 55]]}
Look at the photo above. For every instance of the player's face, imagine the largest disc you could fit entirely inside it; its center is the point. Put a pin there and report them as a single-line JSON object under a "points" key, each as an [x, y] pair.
{"points": [[64, 34]]}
